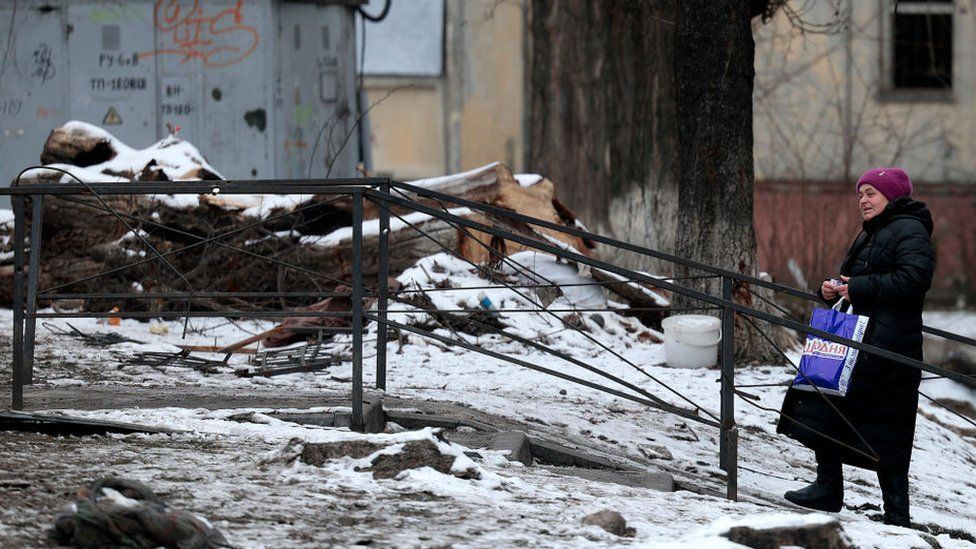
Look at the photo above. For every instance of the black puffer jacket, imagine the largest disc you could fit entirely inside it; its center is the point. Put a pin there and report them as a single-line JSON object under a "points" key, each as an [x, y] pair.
{"points": [[890, 265]]}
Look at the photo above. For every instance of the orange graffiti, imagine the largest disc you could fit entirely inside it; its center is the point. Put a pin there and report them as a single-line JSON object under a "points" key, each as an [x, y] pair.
{"points": [[41, 113], [217, 40]]}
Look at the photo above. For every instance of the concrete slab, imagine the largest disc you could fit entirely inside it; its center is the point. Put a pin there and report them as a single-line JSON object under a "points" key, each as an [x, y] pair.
{"points": [[325, 419], [57, 425], [517, 445], [410, 420], [660, 481], [551, 453], [374, 420]]}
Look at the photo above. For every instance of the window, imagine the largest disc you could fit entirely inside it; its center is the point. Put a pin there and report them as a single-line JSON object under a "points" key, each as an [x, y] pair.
{"points": [[408, 42], [921, 45]]}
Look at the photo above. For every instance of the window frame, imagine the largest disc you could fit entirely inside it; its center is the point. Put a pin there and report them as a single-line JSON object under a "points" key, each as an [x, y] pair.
{"points": [[887, 91]]}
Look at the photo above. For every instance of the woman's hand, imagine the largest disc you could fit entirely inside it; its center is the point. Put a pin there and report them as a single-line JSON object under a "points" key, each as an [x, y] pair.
{"points": [[828, 290], [842, 289]]}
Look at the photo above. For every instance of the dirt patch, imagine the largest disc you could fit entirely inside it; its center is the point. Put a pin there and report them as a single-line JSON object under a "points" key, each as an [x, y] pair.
{"points": [[317, 453], [416, 454]]}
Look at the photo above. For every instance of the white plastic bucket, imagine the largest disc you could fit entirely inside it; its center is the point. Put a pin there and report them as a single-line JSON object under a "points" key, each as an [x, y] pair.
{"points": [[691, 341]]}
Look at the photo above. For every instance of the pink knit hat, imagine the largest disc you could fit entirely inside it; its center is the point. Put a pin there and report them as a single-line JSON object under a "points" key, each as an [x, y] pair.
{"points": [[893, 183]]}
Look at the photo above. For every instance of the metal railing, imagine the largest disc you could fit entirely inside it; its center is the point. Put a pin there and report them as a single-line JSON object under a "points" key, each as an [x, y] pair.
{"points": [[387, 195]]}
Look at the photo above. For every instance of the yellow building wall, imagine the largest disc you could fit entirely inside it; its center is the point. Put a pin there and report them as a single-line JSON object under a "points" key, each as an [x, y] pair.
{"points": [[471, 115], [824, 110], [407, 127]]}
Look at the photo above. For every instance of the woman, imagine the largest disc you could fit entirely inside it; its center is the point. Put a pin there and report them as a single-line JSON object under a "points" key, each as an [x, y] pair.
{"points": [[885, 276]]}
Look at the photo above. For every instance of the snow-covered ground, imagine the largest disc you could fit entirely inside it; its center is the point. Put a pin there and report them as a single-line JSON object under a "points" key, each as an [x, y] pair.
{"points": [[227, 471]]}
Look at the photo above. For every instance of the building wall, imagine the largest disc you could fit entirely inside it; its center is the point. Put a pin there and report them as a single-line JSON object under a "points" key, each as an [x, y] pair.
{"points": [[804, 229], [467, 115], [253, 84], [407, 128], [824, 109]]}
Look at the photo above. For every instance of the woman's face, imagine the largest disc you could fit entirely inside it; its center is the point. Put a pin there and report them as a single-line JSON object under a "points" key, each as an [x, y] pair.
{"points": [[870, 201]]}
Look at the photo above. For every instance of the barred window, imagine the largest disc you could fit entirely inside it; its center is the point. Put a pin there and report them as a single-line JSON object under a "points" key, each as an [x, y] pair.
{"points": [[921, 47]]}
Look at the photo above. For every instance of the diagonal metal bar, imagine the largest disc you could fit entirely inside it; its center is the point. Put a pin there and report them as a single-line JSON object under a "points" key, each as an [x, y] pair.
{"points": [[543, 309], [544, 370], [950, 410], [145, 241], [201, 241], [756, 281], [520, 268], [823, 396], [501, 212], [712, 300], [564, 356]]}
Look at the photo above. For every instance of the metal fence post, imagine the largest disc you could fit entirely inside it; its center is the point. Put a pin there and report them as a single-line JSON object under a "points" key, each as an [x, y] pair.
{"points": [[728, 440], [357, 310], [33, 274], [382, 291], [17, 396]]}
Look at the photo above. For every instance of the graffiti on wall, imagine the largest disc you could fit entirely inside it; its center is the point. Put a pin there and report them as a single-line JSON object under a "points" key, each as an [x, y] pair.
{"points": [[43, 65], [216, 38]]}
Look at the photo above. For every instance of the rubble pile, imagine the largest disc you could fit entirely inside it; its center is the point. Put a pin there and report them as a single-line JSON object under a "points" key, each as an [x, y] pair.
{"points": [[84, 236]]}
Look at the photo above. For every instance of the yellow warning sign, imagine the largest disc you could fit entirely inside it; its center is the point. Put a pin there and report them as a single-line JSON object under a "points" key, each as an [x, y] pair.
{"points": [[112, 117]]}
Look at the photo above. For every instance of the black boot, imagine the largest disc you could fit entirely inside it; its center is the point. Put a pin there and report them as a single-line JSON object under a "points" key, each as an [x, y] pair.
{"points": [[894, 493], [827, 492]]}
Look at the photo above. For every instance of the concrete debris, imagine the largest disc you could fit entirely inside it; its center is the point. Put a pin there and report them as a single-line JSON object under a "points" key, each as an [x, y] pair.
{"points": [[118, 512], [655, 451], [825, 535], [611, 521]]}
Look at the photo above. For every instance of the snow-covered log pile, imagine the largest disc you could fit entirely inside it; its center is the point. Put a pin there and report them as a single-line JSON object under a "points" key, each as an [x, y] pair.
{"points": [[83, 237]]}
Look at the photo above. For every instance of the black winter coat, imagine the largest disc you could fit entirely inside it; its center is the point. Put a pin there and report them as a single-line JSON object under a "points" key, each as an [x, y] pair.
{"points": [[890, 267]]}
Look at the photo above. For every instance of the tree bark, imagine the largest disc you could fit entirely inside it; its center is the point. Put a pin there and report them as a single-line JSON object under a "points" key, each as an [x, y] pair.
{"points": [[642, 111], [714, 73], [602, 117]]}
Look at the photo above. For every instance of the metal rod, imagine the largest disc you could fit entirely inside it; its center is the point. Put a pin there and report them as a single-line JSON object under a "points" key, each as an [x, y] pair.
{"points": [[201, 241], [382, 290], [659, 402], [357, 312], [949, 335], [531, 366], [544, 310], [508, 214], [732, 474], [198, 314], [741, 309], [30, 329], [317, 186], [17, 398], [510, 235], [728, 459], [193, 295]]}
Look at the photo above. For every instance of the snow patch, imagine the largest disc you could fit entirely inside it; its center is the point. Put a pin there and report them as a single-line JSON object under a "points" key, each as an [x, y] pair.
{"points": [[432, 182], [527, 179]]}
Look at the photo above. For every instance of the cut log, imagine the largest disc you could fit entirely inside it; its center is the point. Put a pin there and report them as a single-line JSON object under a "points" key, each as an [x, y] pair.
{"points": [[76, 147]]}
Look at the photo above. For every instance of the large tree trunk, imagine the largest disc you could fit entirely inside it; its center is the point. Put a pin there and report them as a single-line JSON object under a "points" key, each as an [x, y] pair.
{"points": [[714, 55], [602, 117], [642, 110]]}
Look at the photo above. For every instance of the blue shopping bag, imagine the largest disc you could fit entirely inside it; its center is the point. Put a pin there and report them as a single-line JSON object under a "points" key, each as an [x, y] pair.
{"points": [[827, 364]]}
